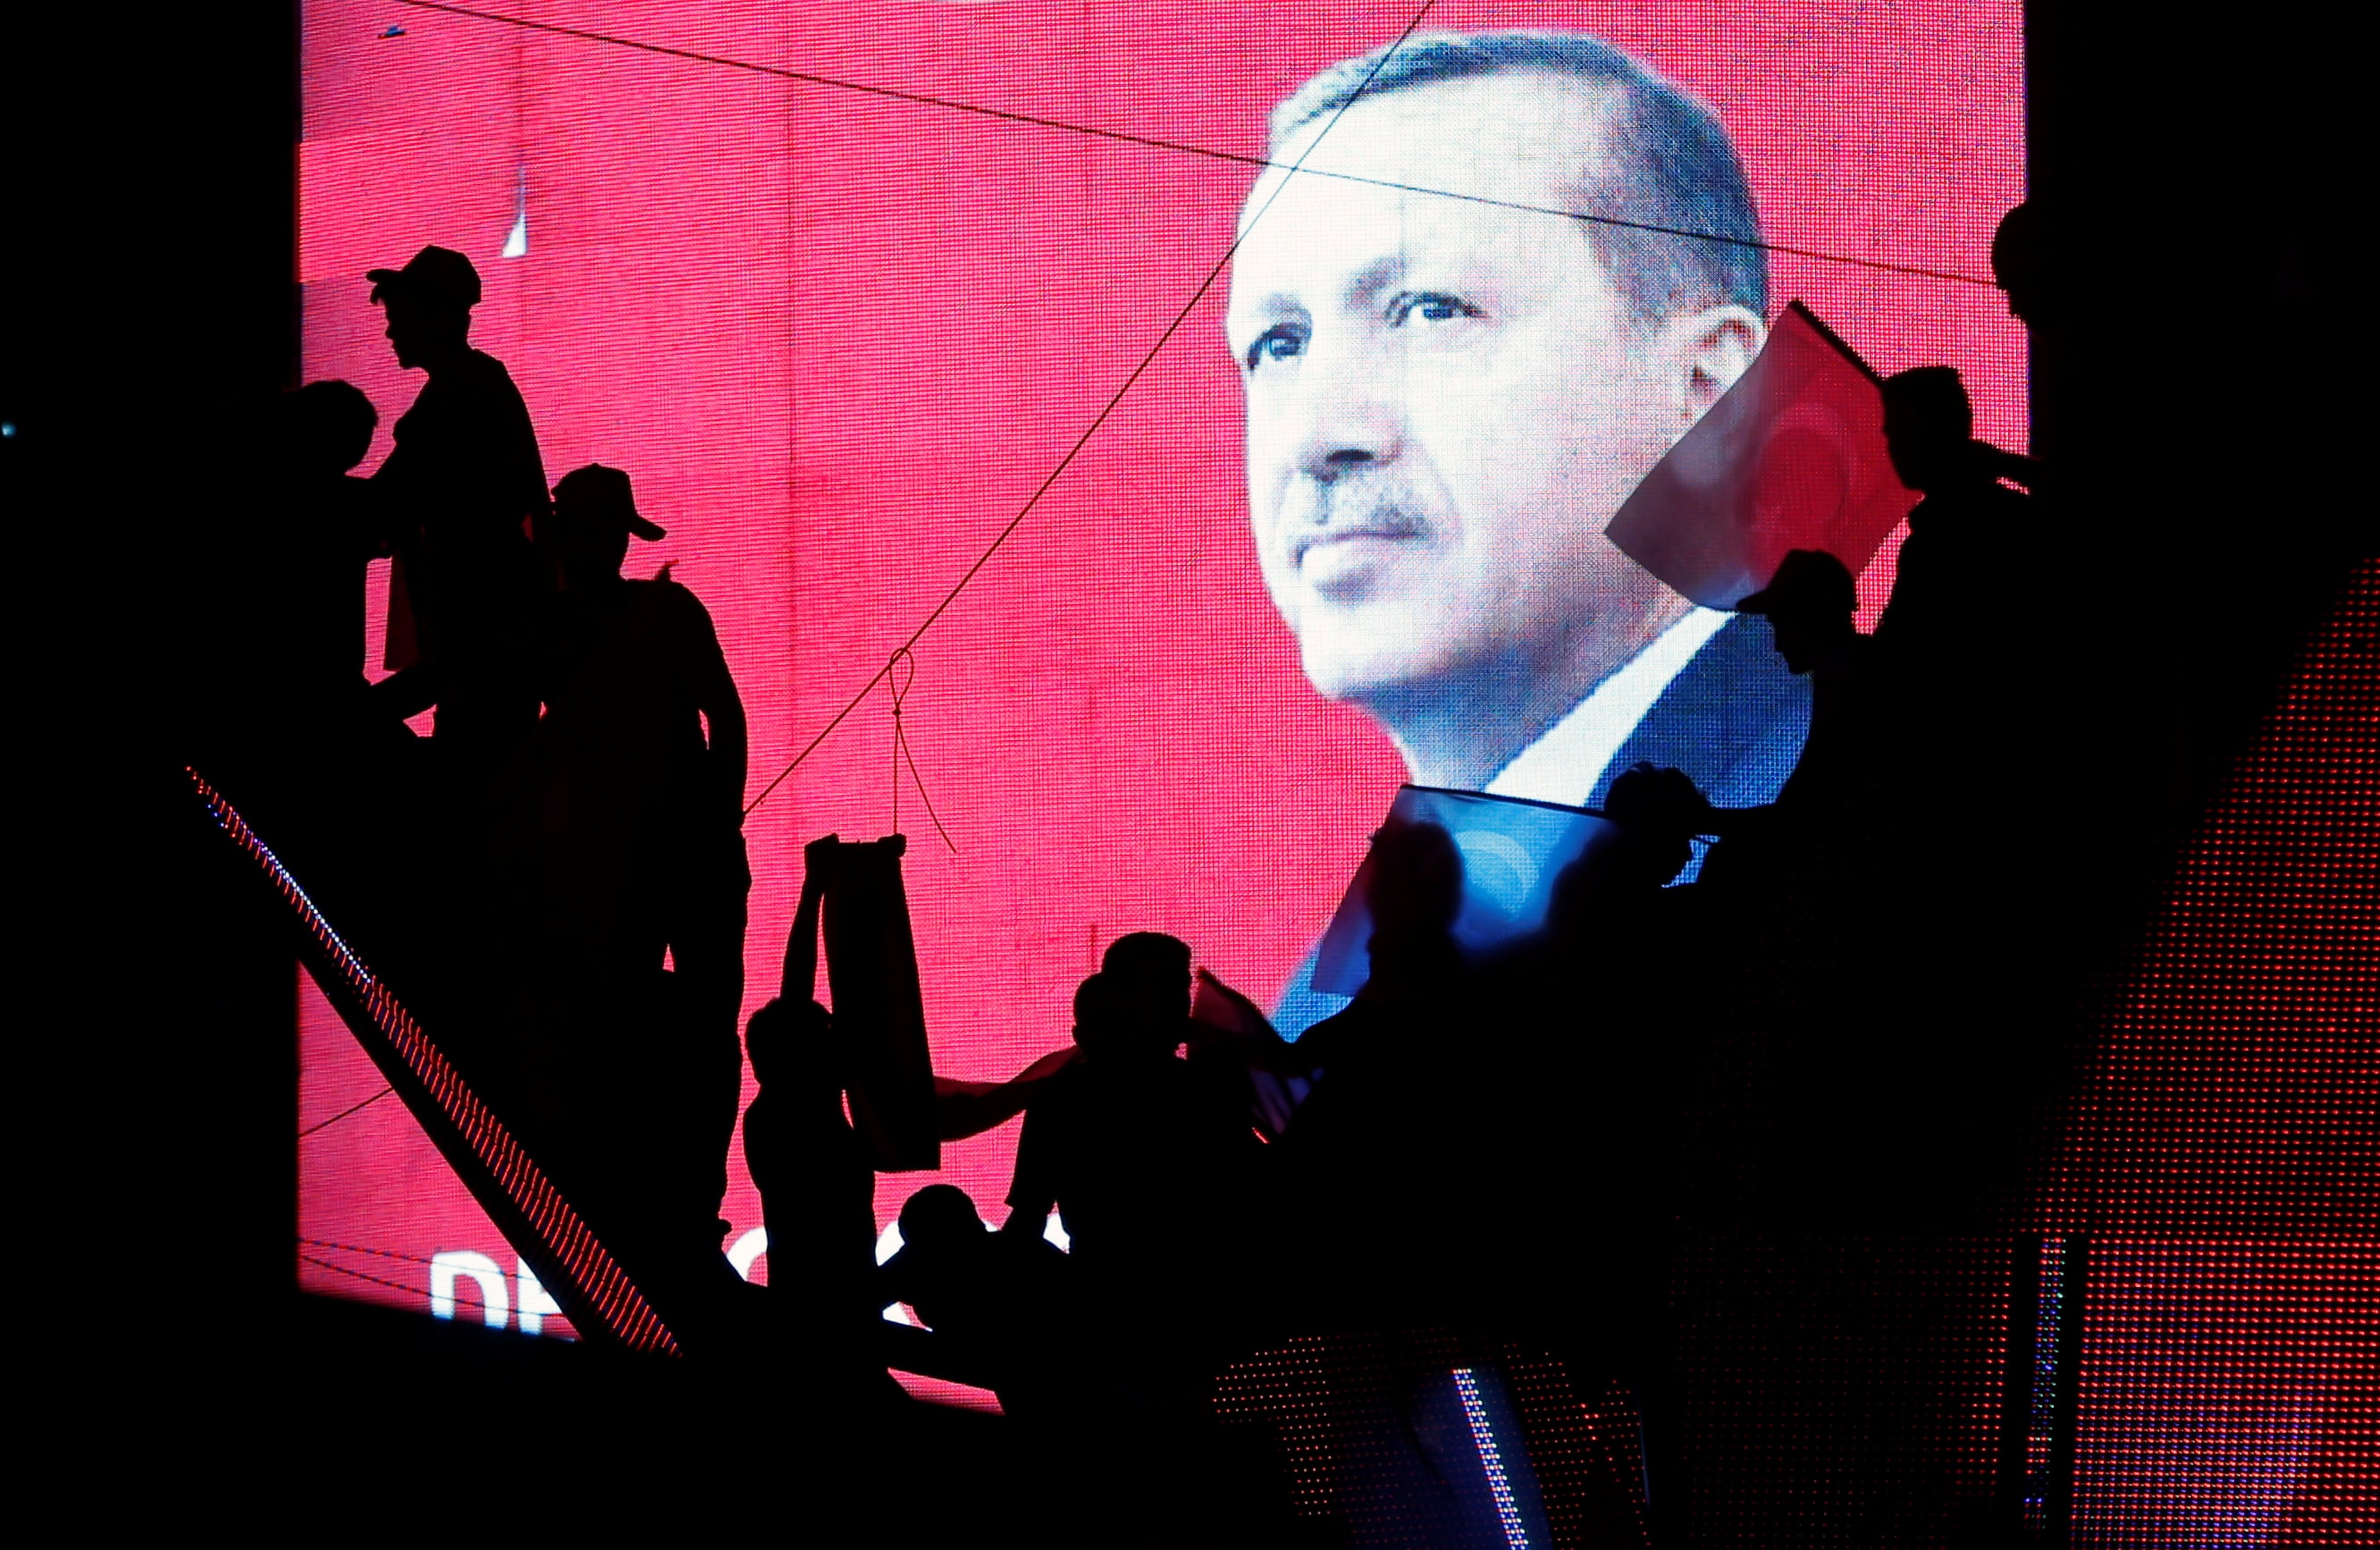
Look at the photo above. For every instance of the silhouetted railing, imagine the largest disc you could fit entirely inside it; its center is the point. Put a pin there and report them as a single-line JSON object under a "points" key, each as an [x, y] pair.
{"points": [[577, 1270]]}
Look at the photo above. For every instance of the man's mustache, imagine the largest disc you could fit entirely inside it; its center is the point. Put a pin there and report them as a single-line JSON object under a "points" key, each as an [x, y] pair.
{"points": [[1370, 504]]}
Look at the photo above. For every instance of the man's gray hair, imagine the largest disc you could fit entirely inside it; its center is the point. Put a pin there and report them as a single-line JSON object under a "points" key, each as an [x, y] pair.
{"points": [[1672, 164]]}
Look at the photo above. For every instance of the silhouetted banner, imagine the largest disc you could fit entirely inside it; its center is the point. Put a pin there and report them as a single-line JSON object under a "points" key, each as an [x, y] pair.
{"points": [[879, 1016], [1793, 457], [1514, 854]]}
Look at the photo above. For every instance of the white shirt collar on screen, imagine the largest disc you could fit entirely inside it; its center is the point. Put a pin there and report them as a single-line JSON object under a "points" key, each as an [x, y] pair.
{"points": [[1567, 763]]}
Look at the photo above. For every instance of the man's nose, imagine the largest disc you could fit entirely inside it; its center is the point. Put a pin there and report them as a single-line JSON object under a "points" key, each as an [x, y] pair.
{"points": [[1349, 414]]}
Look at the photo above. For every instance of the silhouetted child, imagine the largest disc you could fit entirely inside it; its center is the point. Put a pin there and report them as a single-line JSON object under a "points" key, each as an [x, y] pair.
{"points": [[816, 1186], [293, 721]]}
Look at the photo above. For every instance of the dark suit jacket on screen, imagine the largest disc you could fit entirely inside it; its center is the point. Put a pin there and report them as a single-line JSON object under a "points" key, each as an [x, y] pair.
{"points": [[1733, 719]]}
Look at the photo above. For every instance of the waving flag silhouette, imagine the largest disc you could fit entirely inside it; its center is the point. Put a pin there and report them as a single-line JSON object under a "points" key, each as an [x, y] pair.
{"points": [[1793, 457]]}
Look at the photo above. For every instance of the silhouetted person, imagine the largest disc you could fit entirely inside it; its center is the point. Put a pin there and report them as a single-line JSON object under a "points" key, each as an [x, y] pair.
{"points": [[1657, 811], [642, 850], [634, 678], [1543, 1119], [323, 534], [1142, 1157], [1152, 978], [2021, 264], [291, 722], [1003, 1300], [1954, 593], [1848, 778], [463, 479], [1147, 1161], [1384, 1162], [817, 1191]]}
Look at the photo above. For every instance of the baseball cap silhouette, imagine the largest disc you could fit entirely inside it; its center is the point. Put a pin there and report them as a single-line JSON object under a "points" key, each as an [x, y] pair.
{"points": [[438, 276], [601, 495]]}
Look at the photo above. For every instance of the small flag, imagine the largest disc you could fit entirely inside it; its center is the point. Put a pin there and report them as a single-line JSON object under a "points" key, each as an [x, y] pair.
{"points": [[1513, 853], [1792, 457]]}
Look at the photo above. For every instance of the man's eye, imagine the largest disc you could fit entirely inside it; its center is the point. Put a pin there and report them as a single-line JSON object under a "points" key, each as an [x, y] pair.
{"points": [[1431, 306], [1278, 343]]}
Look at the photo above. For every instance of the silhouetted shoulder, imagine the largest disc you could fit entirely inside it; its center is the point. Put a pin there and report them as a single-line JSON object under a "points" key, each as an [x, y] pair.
{"points": [[1735, 720], [482, 373]]}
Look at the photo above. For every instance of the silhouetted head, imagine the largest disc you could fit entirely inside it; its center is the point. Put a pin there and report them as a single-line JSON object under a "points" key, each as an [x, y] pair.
{"points": [[1659, 811], [1095, 1014], [328, 428], [1929, 426], [1149, 972], [429, 304], [1809, 604], [588, 530], [791, 1043], [1415, 888], [2021, 263], [939, 1218]]}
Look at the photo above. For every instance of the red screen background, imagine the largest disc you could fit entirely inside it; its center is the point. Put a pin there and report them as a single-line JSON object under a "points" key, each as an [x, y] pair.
{"points": [[838, 340]]}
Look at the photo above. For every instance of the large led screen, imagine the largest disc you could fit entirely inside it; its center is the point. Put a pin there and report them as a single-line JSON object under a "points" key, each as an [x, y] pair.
{"points": [[855, 292]]}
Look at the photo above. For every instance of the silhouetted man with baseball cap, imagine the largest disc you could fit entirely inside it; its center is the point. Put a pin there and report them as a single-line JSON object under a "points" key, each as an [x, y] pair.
{"points": [[1849, 766], [644, 810], [464, 478]]}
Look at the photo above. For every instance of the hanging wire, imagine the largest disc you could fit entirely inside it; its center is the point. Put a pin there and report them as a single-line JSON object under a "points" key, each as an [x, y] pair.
{"points": [[1154, 143], [361, 1249], [1106, 411], [1292, 169], [357, 1108], [899, 688]]}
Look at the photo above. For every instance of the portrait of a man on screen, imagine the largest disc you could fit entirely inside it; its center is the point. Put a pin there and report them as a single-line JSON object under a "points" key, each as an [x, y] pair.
{"points": [[1467, 329]]}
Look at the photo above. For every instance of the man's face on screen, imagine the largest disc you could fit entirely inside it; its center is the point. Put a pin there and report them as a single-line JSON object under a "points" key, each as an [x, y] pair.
{"points": [[1447, 398]]}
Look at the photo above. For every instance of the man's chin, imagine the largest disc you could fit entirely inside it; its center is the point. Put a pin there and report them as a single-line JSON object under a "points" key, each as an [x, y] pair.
{"points": [[1362, 675]]}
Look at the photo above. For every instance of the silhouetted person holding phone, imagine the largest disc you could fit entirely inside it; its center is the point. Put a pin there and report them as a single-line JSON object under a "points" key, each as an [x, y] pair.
{"points": [[464, 479], [1964, 627]]}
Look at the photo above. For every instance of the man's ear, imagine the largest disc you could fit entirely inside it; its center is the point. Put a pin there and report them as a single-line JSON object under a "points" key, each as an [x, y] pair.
{"points": [[1706, 351]]}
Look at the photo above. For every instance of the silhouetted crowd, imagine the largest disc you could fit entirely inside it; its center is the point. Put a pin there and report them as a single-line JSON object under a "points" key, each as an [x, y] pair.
{"points": [[1503, 1148]]}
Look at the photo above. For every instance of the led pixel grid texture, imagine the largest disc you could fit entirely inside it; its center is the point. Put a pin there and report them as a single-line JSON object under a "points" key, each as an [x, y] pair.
{"points": [[838, 339], [2222, 1152]]}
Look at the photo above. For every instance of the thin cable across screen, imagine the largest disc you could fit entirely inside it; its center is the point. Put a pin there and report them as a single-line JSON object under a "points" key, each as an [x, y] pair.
{"points": [[841, 314]]}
